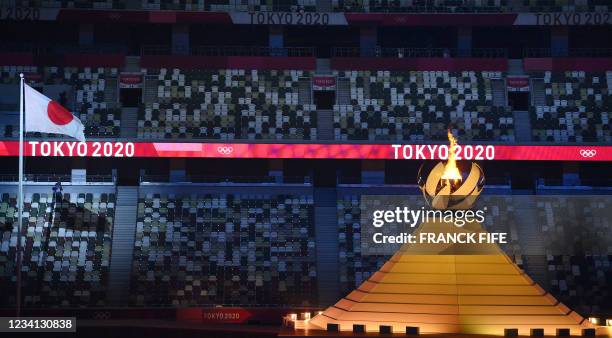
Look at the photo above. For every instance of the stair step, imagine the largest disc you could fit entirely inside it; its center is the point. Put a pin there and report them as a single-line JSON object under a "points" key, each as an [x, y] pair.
{"points": [[124, 232], [111, 91], [522, 126], [150, 89], [323, 66], [538, 92], [343, 91], [326, 236], [499, 92], [325, 125], [129, 122], [305, 91]]}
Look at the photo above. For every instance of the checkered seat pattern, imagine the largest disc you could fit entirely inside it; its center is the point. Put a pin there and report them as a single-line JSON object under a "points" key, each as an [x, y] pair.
{"points": [[92, 108], [581, 281], [224, 249], [9, 75], [460, 6], [578, 108], [580, 277], [228, 104], [501, 217], [85, 4], [567, 5], [354, 268], [66, 248], [99, 118], [421, 105]]}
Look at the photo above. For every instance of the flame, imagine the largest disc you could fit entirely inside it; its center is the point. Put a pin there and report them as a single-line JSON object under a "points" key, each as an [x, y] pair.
{"points": [[451, 171]]}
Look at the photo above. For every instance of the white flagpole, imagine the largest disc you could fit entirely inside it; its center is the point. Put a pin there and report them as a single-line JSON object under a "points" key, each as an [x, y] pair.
{"points": [[20, 197]]}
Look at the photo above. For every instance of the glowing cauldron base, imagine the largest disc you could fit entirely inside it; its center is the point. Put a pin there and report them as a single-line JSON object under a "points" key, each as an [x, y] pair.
{"points": [[451, 288]]}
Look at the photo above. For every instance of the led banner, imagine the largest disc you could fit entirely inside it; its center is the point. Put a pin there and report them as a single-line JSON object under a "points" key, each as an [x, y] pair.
{"points": [[130, 80], [289, 18], [517, 83], [324, 83], [306, 18], [308, 150]]}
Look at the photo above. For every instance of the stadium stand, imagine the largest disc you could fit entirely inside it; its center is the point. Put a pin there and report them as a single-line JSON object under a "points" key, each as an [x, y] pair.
{"points": [[421, 105], [466, 6], [257, 249], [501, 218], [579, 272], [581, 280], [577, 108], [354, 267], [411, 6], [94, 109], [224, 249], [227, 104], [67, 248], [83, 89], [378, 105]]}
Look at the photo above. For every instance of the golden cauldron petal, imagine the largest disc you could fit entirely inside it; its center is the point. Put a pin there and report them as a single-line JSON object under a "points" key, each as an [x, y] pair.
{"points": [[433, 179]]}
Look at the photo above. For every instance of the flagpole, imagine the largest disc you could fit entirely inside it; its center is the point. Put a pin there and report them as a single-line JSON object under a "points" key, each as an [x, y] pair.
{"points": [[20, 197]]}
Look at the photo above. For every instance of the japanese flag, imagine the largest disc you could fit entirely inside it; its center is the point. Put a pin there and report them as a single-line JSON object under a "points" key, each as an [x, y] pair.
{"points": [[47, 116]]}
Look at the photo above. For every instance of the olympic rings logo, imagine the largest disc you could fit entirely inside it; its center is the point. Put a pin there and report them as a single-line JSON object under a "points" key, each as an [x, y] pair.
{"points": [[102, 315], [588, 152], [225, 150]]}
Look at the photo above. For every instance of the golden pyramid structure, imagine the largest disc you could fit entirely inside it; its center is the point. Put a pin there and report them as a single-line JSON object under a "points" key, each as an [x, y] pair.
{"points": [[451, 288]]}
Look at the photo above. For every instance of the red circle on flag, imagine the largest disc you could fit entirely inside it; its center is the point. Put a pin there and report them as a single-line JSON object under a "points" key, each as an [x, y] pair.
{"points": [[58, 114]]}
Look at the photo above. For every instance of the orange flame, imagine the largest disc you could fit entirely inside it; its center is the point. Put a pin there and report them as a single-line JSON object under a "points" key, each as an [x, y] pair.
{"points": [[451, 171]]}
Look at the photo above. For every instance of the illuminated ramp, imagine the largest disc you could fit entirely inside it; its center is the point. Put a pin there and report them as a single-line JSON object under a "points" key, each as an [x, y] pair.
{"points": [[451, 288]]}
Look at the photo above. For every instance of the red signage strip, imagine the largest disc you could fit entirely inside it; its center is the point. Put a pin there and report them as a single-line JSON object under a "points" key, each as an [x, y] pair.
{"points": [[432, 63], [563, 64], [517, 81], [308, 151], [228, 62], [324, 82]]}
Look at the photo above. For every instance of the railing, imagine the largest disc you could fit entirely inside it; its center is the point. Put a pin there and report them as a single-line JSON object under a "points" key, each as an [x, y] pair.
{"points": [[149, 178], [54, 49], [395, 179], [583, 182], [571, 52], [429, 7], [419, 52], [100, 178], [252, 51], [365, 6], [230, 179], [52, 178], [230, 51], [227, 5]]}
